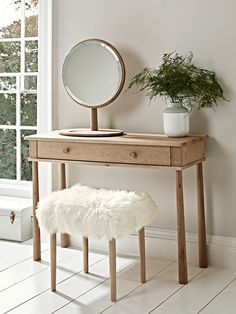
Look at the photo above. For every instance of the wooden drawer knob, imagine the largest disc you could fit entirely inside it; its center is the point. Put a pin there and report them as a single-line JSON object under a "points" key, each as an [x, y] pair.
{"points": [[66, 150], [133, 154]]}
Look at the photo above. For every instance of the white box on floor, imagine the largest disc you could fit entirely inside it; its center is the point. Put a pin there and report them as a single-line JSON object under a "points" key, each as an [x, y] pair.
{"points": [[15, 218]]}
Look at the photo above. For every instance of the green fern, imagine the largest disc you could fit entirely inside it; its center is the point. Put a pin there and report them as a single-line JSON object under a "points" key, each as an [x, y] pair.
{"points": [[178, 80]]}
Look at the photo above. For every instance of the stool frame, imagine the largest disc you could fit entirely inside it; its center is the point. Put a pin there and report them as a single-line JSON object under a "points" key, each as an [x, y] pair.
{"points": [[112, 261]]}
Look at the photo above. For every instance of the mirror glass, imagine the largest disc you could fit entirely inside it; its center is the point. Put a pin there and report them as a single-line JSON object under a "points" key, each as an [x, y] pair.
{"points": [[93, 73]]}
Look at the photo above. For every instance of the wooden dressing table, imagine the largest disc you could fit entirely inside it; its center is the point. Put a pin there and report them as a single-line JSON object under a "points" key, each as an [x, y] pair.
{"points": [[132, 150]]}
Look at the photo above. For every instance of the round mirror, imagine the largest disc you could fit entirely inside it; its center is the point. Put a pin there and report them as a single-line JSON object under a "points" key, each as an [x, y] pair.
{"points": [[93, 73]]}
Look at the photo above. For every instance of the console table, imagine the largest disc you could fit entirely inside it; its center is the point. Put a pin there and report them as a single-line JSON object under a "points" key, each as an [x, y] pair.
{"points": [[132, 150]]}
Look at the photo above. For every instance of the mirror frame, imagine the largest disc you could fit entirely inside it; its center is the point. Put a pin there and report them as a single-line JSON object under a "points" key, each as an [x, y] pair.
{"points": [[123, 73]]}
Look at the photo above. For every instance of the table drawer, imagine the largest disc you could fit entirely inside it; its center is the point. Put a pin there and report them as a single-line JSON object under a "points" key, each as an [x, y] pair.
{"points": [[127, 154]]}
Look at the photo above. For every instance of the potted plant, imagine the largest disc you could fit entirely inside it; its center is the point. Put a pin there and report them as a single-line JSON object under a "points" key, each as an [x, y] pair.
{"points": [[184, 85]]}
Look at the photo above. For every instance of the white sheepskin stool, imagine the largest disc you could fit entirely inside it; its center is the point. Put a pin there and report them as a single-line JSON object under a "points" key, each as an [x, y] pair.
{"points": [[96, 213]]}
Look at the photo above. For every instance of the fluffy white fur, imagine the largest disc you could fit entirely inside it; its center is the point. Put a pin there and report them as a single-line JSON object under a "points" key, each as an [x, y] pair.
{"points": [[95, 212]]}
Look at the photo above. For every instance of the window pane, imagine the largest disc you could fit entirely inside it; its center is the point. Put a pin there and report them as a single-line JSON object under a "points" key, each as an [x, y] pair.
{"points": [[7, 109], [31, 82], [7, 83], [25, 164], [8, 154], [10, 25], [31, 18], [28, 110], [31, 56], [10, 56]]}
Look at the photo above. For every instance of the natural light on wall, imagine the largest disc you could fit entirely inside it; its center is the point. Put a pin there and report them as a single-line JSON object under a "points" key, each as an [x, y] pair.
{"points": [[18, 85]]}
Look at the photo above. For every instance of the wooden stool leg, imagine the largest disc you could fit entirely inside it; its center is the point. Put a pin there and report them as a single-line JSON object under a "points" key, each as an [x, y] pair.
{"points": [[65, 239], [112, 262], [85, 255], [36, 230], [142, 263], [182, 259], [202, 246], [53, 248]]}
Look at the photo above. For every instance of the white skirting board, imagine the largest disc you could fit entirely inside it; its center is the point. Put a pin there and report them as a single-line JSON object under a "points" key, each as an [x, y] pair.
{"points": [[162, 244]]}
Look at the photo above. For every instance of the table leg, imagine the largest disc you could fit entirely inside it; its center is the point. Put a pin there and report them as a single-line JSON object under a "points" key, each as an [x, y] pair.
{"points": [[36, 230], [53, 260], [65, 239], [86, 254], [182, 259], [142, 259], [202, 246], [112, 265]]}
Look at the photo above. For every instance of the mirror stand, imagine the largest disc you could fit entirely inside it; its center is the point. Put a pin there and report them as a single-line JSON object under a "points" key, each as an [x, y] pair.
{"points": [[94, 119], [94, 130], [93, 74]]}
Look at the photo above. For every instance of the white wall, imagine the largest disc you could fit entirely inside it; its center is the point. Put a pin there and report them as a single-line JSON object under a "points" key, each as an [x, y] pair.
{"points": [[142, 31]]}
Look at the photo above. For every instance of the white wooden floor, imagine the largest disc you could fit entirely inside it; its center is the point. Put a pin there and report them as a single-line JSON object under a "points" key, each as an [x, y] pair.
{"points": [[25, 285]]}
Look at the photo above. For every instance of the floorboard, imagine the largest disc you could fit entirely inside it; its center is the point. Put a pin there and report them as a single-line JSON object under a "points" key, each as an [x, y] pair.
{"points": [[98, 299], [224, 302], [191, 298], [5, 248], [72, 287], [154, 292], [25, 285], [40, 282]]}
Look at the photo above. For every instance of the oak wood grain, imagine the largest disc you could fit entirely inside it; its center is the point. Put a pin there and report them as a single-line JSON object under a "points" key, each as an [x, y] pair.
{"points": [[142, 261], [65, 238], [125, 139], [105, 153], [86, 254], [33, 149], [36, 230], [112, 265], [182, 259], [53, 260], [202, 246]]}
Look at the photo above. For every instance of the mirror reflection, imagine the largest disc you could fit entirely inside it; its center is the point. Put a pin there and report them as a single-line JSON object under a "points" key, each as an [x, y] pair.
{"points": [[93, 73]]}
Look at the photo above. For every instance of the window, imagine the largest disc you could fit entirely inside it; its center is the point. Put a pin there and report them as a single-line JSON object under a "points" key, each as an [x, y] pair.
{"points": [[18, 85]]}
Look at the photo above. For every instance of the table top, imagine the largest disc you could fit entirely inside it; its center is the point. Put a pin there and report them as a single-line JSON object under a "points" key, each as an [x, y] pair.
{"points": [[125, 139]]}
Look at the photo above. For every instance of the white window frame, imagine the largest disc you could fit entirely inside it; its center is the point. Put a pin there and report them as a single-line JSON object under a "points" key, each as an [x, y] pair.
{"points": [[18, 127], [44, 109]]}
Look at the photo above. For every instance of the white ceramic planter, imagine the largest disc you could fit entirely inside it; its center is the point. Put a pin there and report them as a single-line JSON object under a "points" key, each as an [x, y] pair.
{"points": [[176, 120]]}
